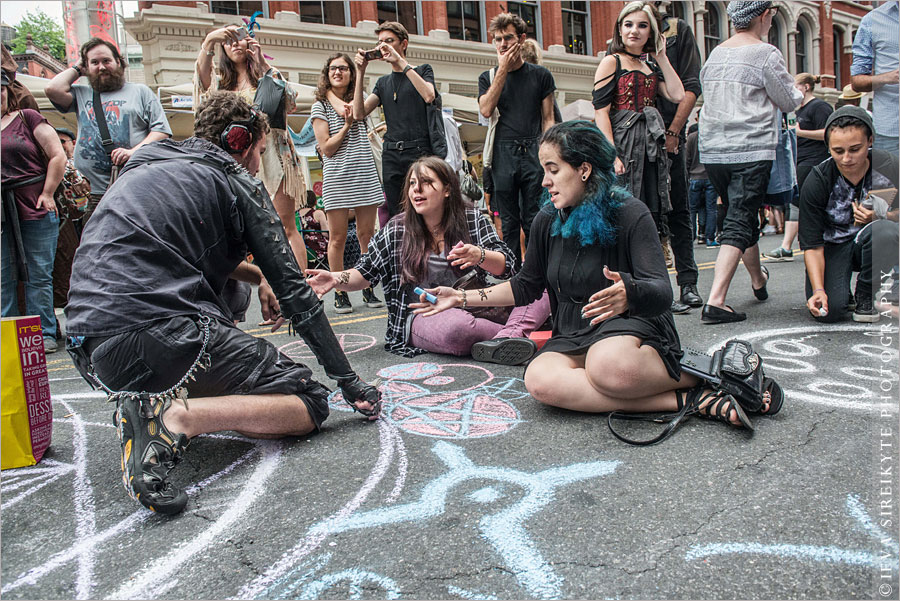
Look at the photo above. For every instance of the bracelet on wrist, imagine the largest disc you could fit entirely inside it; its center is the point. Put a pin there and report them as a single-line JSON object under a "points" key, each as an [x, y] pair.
{"points": [[407, 68], [77, 69], [818, 290], [482, 255], [211, 52], [465, 301], [671, 133]]}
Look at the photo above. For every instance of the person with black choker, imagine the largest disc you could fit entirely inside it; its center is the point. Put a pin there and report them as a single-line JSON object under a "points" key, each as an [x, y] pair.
{"points": [[404, 94], [684, 56], [521, 94]]}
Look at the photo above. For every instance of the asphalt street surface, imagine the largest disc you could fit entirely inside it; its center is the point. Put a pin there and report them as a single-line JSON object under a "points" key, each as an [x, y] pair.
{"points": [[468, 488]]}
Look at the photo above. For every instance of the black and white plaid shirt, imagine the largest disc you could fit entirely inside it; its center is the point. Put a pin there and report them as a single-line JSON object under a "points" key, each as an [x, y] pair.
{"points": [[382, 264]]}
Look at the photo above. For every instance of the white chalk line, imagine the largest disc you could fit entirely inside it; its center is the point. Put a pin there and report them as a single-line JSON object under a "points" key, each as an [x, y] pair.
{"points": [[402, 463], [261, 584], [148, 583], [85, 513], [61, 558]]}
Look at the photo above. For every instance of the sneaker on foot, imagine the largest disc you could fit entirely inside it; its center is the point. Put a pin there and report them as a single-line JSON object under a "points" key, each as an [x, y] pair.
{"points": [[50, 346], [780, 254], [865, 312], [370, 299], [505, 351], [713, 243], [149, 452], [342, 303]]}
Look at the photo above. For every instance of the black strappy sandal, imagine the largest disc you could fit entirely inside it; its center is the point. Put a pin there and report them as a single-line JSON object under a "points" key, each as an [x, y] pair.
{"points": [[689, 403]]}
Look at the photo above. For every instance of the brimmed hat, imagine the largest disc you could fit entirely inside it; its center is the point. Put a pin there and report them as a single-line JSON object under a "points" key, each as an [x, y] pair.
{"points": [[850, 111], [848, 93], [742, 13], [66, 132]]}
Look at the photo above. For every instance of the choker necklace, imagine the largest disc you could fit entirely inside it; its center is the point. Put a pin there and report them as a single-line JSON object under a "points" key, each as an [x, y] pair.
{"points": [[636, 56]]}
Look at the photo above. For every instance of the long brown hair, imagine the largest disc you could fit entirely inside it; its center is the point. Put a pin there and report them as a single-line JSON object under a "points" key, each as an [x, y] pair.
{"points": [[228, 74], [325, 83], [417, 239]]}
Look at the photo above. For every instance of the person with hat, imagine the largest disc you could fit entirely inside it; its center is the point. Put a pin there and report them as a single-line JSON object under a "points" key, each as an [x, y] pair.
{"points": [[746, 88], [32, 163], [849, 97], [848, 219]]}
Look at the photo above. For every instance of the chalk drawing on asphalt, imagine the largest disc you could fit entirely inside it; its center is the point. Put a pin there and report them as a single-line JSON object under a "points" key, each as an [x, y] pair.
{"points": [[822, 553], [424, 399], [304, 582], [791, 352], [351, 343], [504, 529]]}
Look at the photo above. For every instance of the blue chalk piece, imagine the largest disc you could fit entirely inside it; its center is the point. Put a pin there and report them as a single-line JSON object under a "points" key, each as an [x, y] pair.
{"points": [[428, 296]]}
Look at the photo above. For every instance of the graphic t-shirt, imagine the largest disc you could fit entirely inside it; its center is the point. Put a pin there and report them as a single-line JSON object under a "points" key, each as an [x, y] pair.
{"points": [[132, 112]]}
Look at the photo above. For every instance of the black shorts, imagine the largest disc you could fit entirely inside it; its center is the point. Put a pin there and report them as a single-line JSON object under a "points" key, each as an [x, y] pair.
{"points": [[156, 357]]}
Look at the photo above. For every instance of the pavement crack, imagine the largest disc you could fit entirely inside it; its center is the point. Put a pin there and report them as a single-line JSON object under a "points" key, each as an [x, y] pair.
{"points": [[775, 449]]}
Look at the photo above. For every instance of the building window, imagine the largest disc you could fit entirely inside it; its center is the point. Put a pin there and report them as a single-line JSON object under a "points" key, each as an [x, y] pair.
{"points": [[319, 11], [404, 12], [775, 34], [713, 27], [575, 19], [801, 53], [676, 9], [464, 21], [528, 12], [838, 54], [240, 7]]}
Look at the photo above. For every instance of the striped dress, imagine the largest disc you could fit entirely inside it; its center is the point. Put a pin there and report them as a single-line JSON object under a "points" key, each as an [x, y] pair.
{"points": [[349, 178]]}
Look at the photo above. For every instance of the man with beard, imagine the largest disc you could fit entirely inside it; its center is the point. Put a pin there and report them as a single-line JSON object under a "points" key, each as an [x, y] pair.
{"points": [[132, 112]]}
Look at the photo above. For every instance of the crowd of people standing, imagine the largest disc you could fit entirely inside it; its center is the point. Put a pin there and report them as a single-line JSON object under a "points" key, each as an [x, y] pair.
{"points": [[599, 206]]}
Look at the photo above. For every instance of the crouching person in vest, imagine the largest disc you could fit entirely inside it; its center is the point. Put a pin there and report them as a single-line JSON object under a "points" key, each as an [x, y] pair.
{"points": [[148, 320]]}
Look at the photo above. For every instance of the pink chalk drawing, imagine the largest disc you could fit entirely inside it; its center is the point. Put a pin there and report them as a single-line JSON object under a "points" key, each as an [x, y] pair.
{"points": [[442, 409], [351, 343]]}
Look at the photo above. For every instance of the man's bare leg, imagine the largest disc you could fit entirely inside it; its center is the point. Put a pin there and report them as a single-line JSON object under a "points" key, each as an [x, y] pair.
{"points": [[257, 416]]}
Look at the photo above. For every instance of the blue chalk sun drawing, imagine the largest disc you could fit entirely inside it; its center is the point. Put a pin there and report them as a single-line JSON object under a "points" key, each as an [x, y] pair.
{"points": [[427, 399]]}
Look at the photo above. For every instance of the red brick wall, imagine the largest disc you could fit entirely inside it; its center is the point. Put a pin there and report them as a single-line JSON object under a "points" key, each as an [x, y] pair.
{"points": [[363, 11], [603, 21], [551, 22], [491, 10], [434, 16]]}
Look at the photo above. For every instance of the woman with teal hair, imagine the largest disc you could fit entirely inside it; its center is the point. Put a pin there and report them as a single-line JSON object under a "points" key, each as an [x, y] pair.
{"points": [[614, 345]]}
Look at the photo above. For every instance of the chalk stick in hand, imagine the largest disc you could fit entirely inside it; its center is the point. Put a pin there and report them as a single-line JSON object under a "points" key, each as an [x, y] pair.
{"points": [[428, 296]]}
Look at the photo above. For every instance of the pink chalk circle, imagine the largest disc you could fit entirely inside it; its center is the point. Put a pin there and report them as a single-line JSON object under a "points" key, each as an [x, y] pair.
{"points": [[351, 343], [410, 371], [439, 380]]}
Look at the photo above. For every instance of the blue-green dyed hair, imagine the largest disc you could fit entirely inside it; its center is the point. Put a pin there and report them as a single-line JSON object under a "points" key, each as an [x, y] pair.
{"points": [[594, 218]]}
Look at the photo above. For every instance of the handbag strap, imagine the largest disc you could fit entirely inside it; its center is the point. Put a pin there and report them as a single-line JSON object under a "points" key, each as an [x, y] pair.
{"points": [[672, 421], [100, 116]]}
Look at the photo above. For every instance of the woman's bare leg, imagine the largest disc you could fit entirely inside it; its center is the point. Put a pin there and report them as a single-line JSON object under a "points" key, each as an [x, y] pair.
{"points": [[337, 237], [284, 205], [365, 226]]}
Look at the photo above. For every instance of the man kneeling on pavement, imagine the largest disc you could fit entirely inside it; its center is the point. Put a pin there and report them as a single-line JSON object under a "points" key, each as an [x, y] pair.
{"points": [[149, 321]]}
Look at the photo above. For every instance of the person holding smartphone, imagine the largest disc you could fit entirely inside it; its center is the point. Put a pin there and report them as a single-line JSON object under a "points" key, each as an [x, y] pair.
{"points": [[403, 94], [627, 84]]}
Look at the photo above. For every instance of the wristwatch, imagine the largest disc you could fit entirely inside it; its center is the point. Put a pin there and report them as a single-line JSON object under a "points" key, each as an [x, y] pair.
{"points": [[407, 68]]}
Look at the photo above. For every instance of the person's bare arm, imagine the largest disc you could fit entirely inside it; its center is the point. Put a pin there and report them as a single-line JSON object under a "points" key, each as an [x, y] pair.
{"points": [[681, 116], [869, 83], [815, 271], [811, 134], [362, 108], [328, 144], [47, 137], [120, 156], [205, 59], [59, 89], [547, 119], [424, 88], [488, 101]]}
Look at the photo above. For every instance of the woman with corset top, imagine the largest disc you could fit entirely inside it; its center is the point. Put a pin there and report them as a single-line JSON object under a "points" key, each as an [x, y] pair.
{"points": [[626, 86]]}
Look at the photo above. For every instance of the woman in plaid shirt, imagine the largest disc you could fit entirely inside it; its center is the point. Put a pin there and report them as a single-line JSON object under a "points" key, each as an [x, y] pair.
{"points": [[436, 240]]}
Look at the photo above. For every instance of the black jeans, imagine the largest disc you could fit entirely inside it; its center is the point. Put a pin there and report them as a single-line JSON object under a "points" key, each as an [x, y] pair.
{"points": [[742, 188], [155, 357], [517, 175], [873, 252], [679, 221], [394, 165]]}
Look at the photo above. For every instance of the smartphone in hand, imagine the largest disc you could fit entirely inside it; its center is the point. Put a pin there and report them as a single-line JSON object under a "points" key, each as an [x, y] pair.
{"points": [[372, 55]]}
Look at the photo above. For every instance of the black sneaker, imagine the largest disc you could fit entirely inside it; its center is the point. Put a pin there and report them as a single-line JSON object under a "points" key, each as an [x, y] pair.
{"points": [[505, 351], [149, 452], [342, 303], [370, 299], [865, 311]]}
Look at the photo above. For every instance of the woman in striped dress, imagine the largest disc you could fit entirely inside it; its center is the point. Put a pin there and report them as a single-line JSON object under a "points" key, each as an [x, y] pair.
{"points": [[349, 177]]}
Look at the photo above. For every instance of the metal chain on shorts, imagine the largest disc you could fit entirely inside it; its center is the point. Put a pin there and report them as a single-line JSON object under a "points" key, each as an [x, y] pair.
{"points": [[177, 390]]}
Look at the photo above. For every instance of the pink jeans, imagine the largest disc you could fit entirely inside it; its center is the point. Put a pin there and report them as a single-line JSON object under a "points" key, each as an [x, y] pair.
{"points": [[454, 331]]}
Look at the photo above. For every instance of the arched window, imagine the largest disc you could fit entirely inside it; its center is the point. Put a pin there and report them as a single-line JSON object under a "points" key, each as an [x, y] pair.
{"points": [[838, 54], [775, 34], [713, 27], [676, 9], [802, 52]]}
